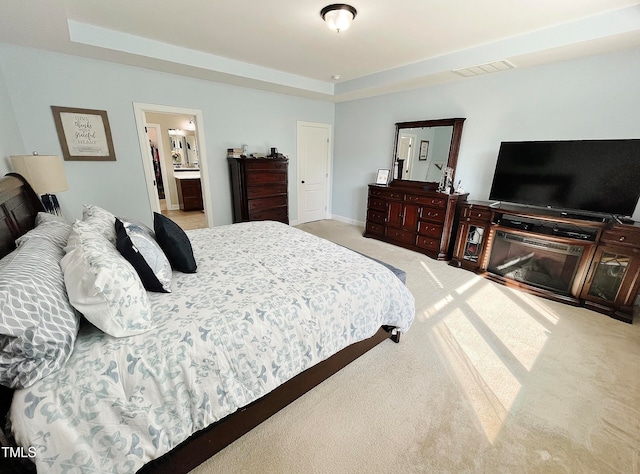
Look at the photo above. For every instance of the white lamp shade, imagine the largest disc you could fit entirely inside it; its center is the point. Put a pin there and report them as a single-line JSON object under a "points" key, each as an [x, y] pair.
{"points": [[45, 173]]}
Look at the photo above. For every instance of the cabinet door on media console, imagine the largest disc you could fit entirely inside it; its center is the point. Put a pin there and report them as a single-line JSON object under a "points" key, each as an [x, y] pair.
{"points": [[613, 281], [474, 224]]}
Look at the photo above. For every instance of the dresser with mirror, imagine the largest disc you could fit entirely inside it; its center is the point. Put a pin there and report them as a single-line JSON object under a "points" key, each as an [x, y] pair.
{"points": [[416, 209]]}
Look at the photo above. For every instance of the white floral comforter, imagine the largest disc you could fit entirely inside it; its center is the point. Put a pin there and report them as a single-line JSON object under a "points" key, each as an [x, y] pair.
{"points": [[267, 302]]}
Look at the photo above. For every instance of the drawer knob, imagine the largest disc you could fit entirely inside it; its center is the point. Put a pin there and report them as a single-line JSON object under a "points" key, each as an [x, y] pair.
{"points": [[622, 238]]}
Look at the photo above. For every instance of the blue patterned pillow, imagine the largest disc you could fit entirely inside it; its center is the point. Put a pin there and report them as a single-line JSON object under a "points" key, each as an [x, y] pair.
{"points": [[141, 250], [38, 325], [103, 285]]}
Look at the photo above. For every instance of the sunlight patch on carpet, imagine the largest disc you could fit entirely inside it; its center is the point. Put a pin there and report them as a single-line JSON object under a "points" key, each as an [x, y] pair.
{"points": [[491, 338], [475, 380], [433, 276]]}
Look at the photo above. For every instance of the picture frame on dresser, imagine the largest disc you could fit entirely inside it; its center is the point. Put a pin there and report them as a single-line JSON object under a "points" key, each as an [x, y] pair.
{"points": [[383, 176]]}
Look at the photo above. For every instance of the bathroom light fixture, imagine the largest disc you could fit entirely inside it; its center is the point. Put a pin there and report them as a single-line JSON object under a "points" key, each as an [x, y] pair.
{"points": [[338, 16]]}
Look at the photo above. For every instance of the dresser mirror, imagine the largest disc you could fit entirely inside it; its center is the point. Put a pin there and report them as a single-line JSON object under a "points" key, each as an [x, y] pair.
{"points": [[423, 149]]}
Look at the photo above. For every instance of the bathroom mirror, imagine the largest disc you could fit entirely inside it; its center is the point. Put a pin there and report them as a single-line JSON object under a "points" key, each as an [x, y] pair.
{"points": [[184, 151], [423, 149]]}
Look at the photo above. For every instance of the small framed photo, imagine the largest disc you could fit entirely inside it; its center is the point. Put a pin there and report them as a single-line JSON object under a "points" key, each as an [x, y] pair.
{"points": [[424, 150], [84, 134], [383, 177]]}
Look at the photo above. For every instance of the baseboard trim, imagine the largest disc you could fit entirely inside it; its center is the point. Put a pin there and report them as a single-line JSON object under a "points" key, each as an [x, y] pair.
{"points": [[346, 220]]}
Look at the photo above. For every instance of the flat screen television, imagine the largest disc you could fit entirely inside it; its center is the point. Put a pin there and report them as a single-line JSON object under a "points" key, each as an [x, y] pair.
{"points": [[594, 176]]}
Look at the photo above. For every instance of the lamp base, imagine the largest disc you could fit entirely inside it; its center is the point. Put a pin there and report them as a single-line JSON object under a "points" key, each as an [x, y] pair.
{"points": [[50, 203]]}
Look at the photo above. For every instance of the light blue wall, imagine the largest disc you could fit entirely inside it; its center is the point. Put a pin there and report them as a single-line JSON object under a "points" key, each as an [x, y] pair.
{"points": [[35, 80], [594, 97], [10, 139], [590, 98]]}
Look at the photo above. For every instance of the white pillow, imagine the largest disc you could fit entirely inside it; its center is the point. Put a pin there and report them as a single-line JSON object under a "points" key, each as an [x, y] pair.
{"points": [[102, 285], [102, 221]]}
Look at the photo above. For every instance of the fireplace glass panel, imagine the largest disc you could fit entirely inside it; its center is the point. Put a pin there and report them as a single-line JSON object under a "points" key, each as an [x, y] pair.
{"points": [[608, 276], [535, 261]]}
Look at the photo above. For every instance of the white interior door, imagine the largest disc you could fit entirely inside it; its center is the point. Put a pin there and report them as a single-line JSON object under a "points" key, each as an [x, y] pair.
{"points": [[140, 110], [406, 147], [313, 171]]}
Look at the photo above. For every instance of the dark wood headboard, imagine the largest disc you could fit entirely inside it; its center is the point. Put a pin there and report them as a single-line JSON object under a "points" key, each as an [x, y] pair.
{"points": [[19, 205]]}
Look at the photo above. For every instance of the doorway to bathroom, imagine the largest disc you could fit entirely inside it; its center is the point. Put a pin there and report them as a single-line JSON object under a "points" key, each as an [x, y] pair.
{"points": [[174, 158]]}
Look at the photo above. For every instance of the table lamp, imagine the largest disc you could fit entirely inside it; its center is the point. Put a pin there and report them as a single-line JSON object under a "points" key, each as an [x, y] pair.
{"points": [[45, 174]]}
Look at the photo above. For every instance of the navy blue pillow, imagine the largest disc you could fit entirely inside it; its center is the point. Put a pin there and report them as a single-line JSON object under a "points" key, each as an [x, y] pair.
{"points": [[175, 244]]}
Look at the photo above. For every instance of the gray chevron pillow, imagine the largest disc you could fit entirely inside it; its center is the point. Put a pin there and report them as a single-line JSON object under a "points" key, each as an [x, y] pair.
{"points": [[38, 325]]}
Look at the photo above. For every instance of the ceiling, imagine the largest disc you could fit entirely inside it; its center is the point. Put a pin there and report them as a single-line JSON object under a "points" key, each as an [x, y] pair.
{"points": [[284, 46]]}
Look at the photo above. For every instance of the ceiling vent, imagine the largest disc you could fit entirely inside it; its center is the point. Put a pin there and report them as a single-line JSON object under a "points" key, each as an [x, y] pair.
{"points": [[495, 66]]}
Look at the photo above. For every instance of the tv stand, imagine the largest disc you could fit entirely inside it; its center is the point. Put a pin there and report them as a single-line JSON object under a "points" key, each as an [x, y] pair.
{"points": [[580, 259]]}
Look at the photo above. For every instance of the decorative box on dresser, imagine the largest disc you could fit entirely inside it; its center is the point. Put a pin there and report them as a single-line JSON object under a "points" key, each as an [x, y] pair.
{"points": [[412, 215], [259, 189]]}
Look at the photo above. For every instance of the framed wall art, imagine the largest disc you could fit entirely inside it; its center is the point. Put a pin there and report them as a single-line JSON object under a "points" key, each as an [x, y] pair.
{"points": [[424, 150], [84, 134]]}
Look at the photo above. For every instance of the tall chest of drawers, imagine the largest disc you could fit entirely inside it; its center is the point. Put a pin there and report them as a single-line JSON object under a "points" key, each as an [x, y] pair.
{"points": [[410, 216], [259, 189]]}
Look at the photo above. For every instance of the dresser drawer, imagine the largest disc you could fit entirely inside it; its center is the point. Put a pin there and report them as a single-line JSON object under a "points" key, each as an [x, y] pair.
{"points": [[267, 203], [386, 193], [401, 236], [274, 214], [266, 190], [374, 228], [431, 214], [436, 202], [476, 213], [377, 203], [428, 243], [620, 235], [430, 229], [262, 177], [376, 216], [265, 165]]}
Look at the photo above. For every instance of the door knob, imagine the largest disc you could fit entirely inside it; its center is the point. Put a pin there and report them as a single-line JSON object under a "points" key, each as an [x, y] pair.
{"points": [[302, 181]]}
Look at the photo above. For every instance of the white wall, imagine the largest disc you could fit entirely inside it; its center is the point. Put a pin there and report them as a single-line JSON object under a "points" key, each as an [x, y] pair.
{"points": [[590, 98], [35, 80]]}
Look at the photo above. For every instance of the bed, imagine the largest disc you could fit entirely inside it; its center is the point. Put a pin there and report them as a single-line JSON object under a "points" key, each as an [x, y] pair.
{"points": [[271, 312]]}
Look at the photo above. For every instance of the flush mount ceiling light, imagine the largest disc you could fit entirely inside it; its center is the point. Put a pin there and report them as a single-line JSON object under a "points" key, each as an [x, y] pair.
{"points": [[338, 16]]}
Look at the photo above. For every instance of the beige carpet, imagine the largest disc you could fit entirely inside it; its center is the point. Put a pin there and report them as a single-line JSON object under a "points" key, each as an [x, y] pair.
{"points": [[487, 379]]}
